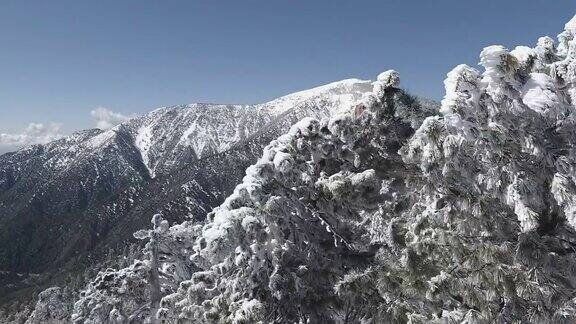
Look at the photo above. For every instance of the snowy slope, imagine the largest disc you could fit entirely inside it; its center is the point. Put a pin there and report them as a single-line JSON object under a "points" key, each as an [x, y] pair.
{"points": [[169, 135]]}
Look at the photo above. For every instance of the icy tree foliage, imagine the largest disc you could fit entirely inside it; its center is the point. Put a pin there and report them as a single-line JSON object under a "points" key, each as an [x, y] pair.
{"points": [[52, 306], [132, 294], [385, 214], [491, 230]]}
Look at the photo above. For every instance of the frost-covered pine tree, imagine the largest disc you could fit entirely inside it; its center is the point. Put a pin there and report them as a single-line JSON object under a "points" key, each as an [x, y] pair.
{"points": [[133, 294], [53, 306], [496, 176]]}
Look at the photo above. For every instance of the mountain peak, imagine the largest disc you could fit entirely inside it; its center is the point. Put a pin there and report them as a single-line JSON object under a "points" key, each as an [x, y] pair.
{"points": [[344, 92]]}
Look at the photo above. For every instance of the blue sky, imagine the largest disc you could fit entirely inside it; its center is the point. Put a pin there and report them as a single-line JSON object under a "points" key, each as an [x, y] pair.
{"points": [[61, 59]]}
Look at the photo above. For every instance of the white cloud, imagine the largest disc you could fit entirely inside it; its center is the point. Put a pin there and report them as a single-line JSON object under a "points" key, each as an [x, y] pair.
{"points": [[105, 118], [39, 133], [34, 133]]}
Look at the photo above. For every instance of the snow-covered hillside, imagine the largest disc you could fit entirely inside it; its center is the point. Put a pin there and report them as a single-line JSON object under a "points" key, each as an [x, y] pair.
{"points": [[167, 135]]}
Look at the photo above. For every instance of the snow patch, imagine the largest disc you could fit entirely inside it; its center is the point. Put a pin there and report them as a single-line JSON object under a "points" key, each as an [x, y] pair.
{"points": [[143, 143], [100, 139], [344, 93], [571, 25], [539, 94]]}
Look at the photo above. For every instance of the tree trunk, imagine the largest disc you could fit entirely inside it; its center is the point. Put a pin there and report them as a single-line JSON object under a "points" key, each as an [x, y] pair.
{"points": [[155, 294]]}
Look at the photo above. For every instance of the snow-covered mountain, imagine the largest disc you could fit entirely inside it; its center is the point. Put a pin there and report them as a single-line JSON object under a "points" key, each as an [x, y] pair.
{"points": [[385, 212], [168, 136], [67, 203]]}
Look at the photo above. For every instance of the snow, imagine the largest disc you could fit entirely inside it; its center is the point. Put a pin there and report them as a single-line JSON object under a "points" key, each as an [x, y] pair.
{"points": [[522, 196], [491, 56], [498, 75], [338, 124], [523, 54], [462, 88], [249, 221], [219, 227], [571, 25], [546, 43], [539, 95], [185, 139], [368, 99], [342, 93], [305, 127], [143, 142], [191, 138], [562, 188], [366, 178], [390, 79], [101, 139], [283, 161]]}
